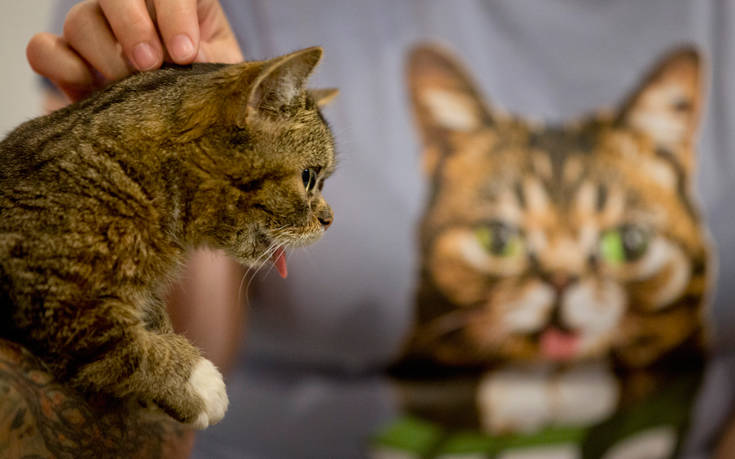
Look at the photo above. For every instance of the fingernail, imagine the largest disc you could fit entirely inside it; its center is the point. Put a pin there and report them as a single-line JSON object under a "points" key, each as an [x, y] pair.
{"points": [[181, 47], [144, 56]]}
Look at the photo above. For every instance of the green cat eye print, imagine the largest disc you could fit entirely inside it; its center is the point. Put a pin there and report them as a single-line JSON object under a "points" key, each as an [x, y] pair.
{"points": [[623, 244], [500, 239]]}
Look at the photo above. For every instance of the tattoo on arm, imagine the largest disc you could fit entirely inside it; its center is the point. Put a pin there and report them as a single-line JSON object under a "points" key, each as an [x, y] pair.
{"points": [[40, 417]]}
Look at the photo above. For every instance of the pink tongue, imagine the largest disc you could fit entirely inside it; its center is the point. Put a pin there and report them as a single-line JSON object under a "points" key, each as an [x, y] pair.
{"points": [[558, 345], [279, 259]]}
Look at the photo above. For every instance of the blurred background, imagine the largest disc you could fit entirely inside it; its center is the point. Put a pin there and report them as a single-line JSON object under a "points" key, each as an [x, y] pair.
{"points": [[19, 89]]}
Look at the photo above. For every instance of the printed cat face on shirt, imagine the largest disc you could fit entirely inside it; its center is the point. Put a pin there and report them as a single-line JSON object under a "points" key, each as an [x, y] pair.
{"points": [[559, 243]]}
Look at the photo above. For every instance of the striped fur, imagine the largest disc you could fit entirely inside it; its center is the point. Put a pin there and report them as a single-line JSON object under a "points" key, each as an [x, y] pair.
{"points": [[101, 201]]}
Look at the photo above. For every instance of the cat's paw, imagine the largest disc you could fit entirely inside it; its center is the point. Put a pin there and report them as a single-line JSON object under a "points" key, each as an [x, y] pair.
{"points": [[207, 383]]}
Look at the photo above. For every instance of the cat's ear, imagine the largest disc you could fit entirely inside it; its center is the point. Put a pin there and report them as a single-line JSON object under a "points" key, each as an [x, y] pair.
{"points": [[323, 97], [667, 105], [444, 97], [281, 81]]}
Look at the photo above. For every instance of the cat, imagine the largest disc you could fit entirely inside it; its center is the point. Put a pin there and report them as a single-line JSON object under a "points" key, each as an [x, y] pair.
{"points": [[101, 201], [553, 257]]}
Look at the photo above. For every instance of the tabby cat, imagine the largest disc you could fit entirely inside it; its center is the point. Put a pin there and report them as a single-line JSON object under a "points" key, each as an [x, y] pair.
{"points": [[553, 257], [101, 201]]}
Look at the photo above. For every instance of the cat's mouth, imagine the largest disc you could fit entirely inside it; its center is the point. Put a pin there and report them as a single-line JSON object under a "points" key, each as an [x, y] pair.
{"points": [[279, 261], [559, 345]]}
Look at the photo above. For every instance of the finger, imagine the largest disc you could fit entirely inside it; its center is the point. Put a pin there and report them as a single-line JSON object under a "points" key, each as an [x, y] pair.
{"points": [[52, 58], [226, 51], [217, 41], [87, 32], [54, 100], [179, 27], [134, 29]]}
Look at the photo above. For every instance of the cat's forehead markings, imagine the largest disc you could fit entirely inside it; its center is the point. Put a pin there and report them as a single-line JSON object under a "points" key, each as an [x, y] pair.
{"points": [[536, 198], [586, 199], [520, 195], [614, 209], [626, 146], [508, 207], [572, 170], [602, 194], [652, 165], [659, 171], [562, 251], [542, 164]]}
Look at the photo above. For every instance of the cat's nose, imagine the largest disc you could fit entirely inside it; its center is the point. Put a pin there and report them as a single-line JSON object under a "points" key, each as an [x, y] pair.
{"points": [[560, 280], [326, 218]]}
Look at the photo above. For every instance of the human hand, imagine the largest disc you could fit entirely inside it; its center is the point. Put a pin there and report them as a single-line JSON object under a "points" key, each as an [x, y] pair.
{"points": [[106, 40]]}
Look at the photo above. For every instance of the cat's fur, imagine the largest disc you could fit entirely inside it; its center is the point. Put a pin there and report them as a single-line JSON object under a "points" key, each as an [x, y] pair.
{"points": [[100, 202], [545, 249]]}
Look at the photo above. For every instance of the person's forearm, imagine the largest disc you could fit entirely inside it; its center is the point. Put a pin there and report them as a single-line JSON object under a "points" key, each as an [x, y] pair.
{"points": [[206, 306], [40, 417]]}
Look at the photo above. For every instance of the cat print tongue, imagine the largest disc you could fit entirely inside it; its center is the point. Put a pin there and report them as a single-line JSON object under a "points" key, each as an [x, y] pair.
{"points": [[279, 259], [558, 345]]}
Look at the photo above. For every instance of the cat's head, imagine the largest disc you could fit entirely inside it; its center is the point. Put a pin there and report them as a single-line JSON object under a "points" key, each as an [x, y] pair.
{"points": [[558, 243], [254, 150]]}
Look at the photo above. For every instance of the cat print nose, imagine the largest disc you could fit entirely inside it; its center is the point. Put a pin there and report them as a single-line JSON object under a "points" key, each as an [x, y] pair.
{"points": [[560, 280]]}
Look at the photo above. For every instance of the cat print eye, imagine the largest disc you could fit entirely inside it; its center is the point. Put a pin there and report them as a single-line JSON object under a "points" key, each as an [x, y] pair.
{"points": [[500, 239], [308, 176], [624, 244]]}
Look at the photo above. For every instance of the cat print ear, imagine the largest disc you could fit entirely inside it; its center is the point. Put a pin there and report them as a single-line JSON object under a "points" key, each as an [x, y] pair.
{"points": [[282, 80], [666, 106], [444, 97], [323, 97]]}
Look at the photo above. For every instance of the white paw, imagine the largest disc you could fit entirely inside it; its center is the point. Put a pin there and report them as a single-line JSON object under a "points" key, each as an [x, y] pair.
{"points": [[206, 381], [585, 394], [528, 398], [512, 400]]}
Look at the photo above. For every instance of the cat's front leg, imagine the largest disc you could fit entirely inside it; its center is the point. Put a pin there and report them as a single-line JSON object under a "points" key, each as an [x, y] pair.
{"points": [[162, 368], [528, 398]]}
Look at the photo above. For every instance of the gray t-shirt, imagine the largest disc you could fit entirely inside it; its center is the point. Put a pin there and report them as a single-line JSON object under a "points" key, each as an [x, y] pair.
{"points": [[308, 386], [347, 298]]}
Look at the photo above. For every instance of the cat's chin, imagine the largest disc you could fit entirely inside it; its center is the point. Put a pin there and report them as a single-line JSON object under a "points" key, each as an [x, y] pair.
{"points": [[305, 239], [272, 250], [273, 253]]}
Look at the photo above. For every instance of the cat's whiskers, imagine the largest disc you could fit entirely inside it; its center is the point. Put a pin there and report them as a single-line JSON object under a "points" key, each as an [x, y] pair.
{"points": [[262, 258], [251, 269], [270, 268], [258, 265], [427, 335], [271, 250], [239, 288], [255, 267]]}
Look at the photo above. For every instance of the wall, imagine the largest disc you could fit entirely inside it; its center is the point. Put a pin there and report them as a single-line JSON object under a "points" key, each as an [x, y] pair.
{"points": [[20, 89]]}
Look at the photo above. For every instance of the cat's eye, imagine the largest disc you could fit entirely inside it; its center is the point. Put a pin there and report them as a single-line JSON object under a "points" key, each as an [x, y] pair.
{"points": [[308, 176], [624, 244], [500, 240]]}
